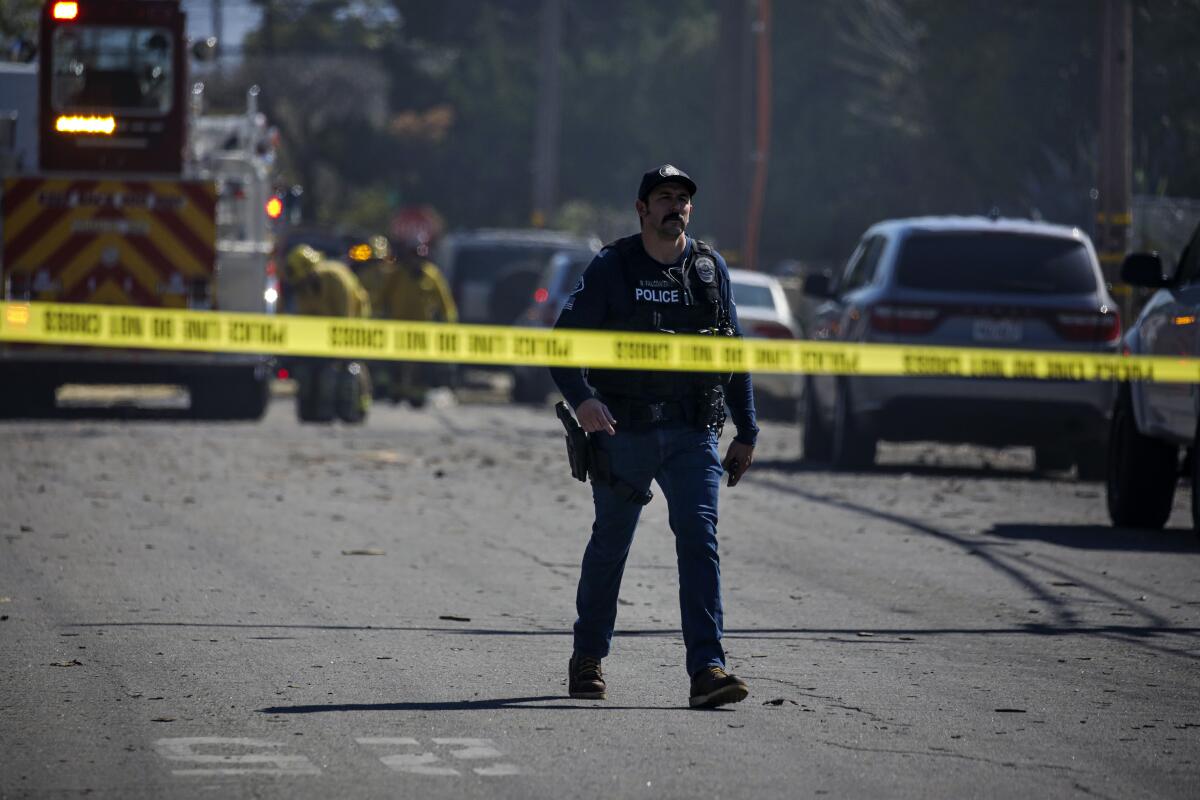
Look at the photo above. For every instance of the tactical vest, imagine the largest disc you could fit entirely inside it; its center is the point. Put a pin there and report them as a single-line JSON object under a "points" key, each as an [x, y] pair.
{"points": [[700, 310]]}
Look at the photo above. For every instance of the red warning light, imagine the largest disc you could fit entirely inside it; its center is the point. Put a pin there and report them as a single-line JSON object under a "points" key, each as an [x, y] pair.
{"points": [[274, 208], [541, 296], [66, 10]]}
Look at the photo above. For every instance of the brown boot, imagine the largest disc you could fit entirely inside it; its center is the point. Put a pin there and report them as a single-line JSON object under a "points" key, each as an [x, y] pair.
{"points": [[585, 679], [713, 686]]}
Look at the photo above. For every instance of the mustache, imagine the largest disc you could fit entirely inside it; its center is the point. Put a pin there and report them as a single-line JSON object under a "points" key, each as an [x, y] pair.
{"points": [[674, 215]]}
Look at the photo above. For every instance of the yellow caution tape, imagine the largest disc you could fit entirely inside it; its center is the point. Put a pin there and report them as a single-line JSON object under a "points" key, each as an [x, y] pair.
{"points": [[377, 340]]}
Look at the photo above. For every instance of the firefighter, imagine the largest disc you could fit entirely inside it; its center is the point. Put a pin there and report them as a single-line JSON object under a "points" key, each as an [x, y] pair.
{"points": [[374, 263], [328, 387], [415, 290]]}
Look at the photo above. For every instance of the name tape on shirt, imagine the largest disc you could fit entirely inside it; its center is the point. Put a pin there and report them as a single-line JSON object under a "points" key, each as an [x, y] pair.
{"points": [[381, 340]]}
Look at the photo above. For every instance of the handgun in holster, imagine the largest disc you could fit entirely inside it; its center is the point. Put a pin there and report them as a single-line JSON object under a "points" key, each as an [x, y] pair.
{"points": [[588, 459]]}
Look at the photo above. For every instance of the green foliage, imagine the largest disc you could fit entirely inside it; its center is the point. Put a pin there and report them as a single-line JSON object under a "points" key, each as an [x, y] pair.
{"points": [[880, 108], [18, 23]]}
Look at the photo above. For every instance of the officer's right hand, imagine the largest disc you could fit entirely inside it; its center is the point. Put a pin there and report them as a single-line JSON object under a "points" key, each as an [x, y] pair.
{"points": [[594, 417]]}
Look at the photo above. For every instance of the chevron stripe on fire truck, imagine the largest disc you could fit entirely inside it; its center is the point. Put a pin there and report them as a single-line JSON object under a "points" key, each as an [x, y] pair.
{"points": [[142, 243]]}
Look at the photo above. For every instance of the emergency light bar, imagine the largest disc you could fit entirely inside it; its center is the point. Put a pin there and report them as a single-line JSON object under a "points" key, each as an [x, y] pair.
{"points": [[105, 125], [66, 10], [360, 252]]}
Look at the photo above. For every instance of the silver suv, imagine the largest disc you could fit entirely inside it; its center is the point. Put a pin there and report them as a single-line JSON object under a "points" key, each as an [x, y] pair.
{"points": [[1153, 423], [964, 282]]}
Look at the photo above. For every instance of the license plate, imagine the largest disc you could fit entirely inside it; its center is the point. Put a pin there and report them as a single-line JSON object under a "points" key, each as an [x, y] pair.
{"points": [[996, 330]]}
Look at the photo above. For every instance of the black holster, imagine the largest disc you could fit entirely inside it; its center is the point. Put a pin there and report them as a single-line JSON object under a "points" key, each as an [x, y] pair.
{"points": [[587, 459]]}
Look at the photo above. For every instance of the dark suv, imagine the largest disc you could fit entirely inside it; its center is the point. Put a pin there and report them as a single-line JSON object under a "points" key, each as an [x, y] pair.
{"points": [[964, 282]]}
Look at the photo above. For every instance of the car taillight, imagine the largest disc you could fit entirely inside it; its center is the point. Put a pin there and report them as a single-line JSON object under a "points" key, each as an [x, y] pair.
{"points": [[905, 319], [768, 330], [1102, 326]]}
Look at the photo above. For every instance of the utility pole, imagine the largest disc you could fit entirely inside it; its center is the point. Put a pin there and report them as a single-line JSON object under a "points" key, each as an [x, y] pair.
{"points": [[762, 132], [734, 121], [218, 23], [549, 113], [1114, 202]]}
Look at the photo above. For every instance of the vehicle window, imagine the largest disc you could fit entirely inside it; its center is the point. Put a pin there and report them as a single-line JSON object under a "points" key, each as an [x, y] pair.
{"points": [[861, 271], [746, 295], [851, 264], [487, 263], [995, 262], [1189, 262], [109, 68]]}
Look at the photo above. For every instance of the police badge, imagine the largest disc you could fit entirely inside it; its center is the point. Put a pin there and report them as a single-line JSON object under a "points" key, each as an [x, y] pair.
{"points": [[705, 268]]}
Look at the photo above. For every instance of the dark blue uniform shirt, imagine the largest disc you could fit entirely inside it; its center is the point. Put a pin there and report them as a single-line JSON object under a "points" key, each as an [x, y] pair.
{"points": [[603, 294]]}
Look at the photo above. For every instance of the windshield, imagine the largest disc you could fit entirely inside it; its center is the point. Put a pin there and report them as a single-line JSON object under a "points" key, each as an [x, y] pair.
{"points": [[488, 262], [112, 69], [995, 262], [746, 295]]}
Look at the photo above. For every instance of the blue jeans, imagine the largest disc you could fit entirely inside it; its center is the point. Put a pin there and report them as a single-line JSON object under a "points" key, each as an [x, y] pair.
{"points": [[687, 467]]}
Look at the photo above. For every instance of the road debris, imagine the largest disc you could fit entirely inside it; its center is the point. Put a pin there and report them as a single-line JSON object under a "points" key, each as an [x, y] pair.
{"points": [[364, 551]]}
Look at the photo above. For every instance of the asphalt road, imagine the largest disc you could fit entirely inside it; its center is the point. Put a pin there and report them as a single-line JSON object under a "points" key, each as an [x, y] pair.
{"points": [[276, 610]]}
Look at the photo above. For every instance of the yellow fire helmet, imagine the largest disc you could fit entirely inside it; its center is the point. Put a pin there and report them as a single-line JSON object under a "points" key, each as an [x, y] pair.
{"points": [[300, 263]]}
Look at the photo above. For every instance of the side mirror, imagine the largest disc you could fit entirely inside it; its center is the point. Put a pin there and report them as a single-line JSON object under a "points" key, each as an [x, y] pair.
{"points": [[817, 285], [1143, 269]]}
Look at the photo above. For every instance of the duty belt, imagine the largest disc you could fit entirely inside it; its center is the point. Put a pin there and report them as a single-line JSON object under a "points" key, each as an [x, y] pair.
{"points": [[650, 413]]}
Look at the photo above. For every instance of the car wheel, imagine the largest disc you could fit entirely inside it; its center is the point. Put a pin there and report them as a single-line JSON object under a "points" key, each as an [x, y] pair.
{"points": [[1141, 472], [853, 446], [1195, 477], [816, 443], [1052, 458], [26, 397]]}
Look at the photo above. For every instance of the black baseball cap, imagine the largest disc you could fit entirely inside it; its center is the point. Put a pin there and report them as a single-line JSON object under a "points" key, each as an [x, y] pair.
{"points": [[664, 174]]}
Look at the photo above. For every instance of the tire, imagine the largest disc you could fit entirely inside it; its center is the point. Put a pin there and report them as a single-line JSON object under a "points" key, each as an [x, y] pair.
{"points": [[1052, 458], [1141, 472], [816, 443], [314, 392], [1195, 478], [352, 393], [230, 395], [853, 445], [26, 397]]}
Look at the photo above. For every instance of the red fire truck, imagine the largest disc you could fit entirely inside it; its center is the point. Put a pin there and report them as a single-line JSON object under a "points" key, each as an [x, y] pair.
{"points": [[136, 199]]}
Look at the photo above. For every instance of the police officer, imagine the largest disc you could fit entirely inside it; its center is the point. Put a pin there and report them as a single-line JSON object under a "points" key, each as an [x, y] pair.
{"points": [[326, 288], [658, 425]]}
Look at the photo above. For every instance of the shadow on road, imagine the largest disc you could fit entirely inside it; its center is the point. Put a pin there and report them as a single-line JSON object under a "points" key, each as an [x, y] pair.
{"points": [[799, 466], [851, 635], [493, 704], [1099, 537]]}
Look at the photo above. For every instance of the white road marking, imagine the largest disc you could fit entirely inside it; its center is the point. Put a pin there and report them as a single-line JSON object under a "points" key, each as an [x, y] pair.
{"points": [[417, 763], [428, 763], [184, 749]]}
